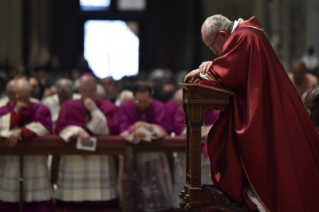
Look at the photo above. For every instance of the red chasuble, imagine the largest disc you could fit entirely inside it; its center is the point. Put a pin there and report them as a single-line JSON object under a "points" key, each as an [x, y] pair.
{"points": [[264, 138]]}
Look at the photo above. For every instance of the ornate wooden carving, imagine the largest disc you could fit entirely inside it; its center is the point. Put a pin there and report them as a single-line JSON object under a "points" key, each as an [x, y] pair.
{"points": [[197, 100]]}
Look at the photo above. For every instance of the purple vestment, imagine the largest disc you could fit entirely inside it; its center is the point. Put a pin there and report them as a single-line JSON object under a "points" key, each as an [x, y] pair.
{"points": [[128, 115], [86, 180], [154, 186], [170, 110], [73, 113], [35, 113], [210, 118], [37, 188]]}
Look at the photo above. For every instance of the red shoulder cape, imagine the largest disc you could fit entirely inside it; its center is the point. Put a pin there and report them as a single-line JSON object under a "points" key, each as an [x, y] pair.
{"points": [[264, 138]]}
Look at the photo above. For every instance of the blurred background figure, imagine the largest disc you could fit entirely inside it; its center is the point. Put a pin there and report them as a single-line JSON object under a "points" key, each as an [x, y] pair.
{"points": [[143, 119], [86, 182], [311, 61], [9, 94], [300, 78], [64, 93], [124, 96], [36, 88], [312, 105], [109, 88]]}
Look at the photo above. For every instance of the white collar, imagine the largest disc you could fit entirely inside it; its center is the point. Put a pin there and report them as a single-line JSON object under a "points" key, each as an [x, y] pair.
{"points": [[236, 23]]}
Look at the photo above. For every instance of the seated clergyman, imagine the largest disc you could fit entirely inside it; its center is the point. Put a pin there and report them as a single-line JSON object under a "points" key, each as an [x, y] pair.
{"points": [[23, 119], [144, 119], [86, 181]]}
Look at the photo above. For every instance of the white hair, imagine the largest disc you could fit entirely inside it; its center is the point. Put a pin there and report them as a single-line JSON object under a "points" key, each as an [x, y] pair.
{"points": [[64, 84], [217, 23], [88, 79], [124, 95]]}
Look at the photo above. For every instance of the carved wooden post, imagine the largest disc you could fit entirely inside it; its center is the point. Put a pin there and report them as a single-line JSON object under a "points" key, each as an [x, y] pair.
{"points": [[197, 100]]}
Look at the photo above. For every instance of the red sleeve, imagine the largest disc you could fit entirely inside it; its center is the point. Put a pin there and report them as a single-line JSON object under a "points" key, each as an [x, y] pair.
{"points": [[26, 133], [14, 119]]}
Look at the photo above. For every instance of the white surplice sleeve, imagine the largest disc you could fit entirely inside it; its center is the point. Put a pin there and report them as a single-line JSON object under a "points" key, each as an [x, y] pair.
{"points": [[98, 123]]}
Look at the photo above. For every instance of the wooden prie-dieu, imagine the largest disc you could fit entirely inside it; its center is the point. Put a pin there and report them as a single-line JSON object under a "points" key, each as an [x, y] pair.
{"points": [[198, 98]]}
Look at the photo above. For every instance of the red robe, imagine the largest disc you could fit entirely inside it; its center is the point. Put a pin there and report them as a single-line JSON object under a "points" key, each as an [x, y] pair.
{"points": [[264, 138]]}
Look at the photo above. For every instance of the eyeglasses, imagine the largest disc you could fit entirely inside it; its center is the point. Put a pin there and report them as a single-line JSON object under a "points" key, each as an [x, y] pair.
{"points": [[211, 48], [310, 108]]}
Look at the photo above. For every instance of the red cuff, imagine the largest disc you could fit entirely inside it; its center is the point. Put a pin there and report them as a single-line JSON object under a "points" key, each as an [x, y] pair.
{"points": [[14, 119], [130, 129], [26, 133]]}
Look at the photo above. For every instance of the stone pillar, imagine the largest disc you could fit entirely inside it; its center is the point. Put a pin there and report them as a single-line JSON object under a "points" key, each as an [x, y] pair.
{"points": [[312, 24], [11, 31]]}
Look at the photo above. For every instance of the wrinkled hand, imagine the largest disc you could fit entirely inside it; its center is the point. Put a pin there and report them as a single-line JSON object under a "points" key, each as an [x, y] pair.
{"points": [[139, 135], [84, 137], [13, 139], [205, 67], [138, 125], [190, 77], [89, 104], [19, 105]]}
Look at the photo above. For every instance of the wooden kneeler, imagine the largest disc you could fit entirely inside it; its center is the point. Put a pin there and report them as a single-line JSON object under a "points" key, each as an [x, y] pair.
{"points": [[198, 98]]}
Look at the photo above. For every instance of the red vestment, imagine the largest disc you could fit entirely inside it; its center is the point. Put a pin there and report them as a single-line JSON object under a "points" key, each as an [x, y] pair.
{"points": [[264, 138]]}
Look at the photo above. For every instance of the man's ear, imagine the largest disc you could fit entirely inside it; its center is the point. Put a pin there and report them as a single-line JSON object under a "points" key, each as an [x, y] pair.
{"points": [[224, 34]]}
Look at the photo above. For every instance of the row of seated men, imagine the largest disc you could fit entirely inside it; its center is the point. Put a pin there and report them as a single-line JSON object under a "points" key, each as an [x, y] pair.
{"points": [[91, 181]]}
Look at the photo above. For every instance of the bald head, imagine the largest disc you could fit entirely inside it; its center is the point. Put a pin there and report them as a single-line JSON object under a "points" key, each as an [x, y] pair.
{"points": [[88, 87], [10, 90], [22, 90]]}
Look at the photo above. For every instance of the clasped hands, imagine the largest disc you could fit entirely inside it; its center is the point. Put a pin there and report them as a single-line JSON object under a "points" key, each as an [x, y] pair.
{"points": [[137, 134], [203, 69]]}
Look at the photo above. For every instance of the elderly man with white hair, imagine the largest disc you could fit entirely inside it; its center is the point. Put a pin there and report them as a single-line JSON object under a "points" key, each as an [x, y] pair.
{"points": [[23, 119], [64, 93], [86, 181], [263, 145]]}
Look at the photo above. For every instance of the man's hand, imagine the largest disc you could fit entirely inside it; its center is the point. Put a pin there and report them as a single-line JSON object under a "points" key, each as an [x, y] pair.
{"points": [[89, 104], [19, 105], [84, 137], [191, 76], [13, 139], [140, 124], [138, 135], [205, 67]]}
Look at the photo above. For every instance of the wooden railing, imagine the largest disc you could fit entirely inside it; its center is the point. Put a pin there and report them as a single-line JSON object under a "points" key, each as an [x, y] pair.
{"points": [[106, 145], [198, 98]]}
